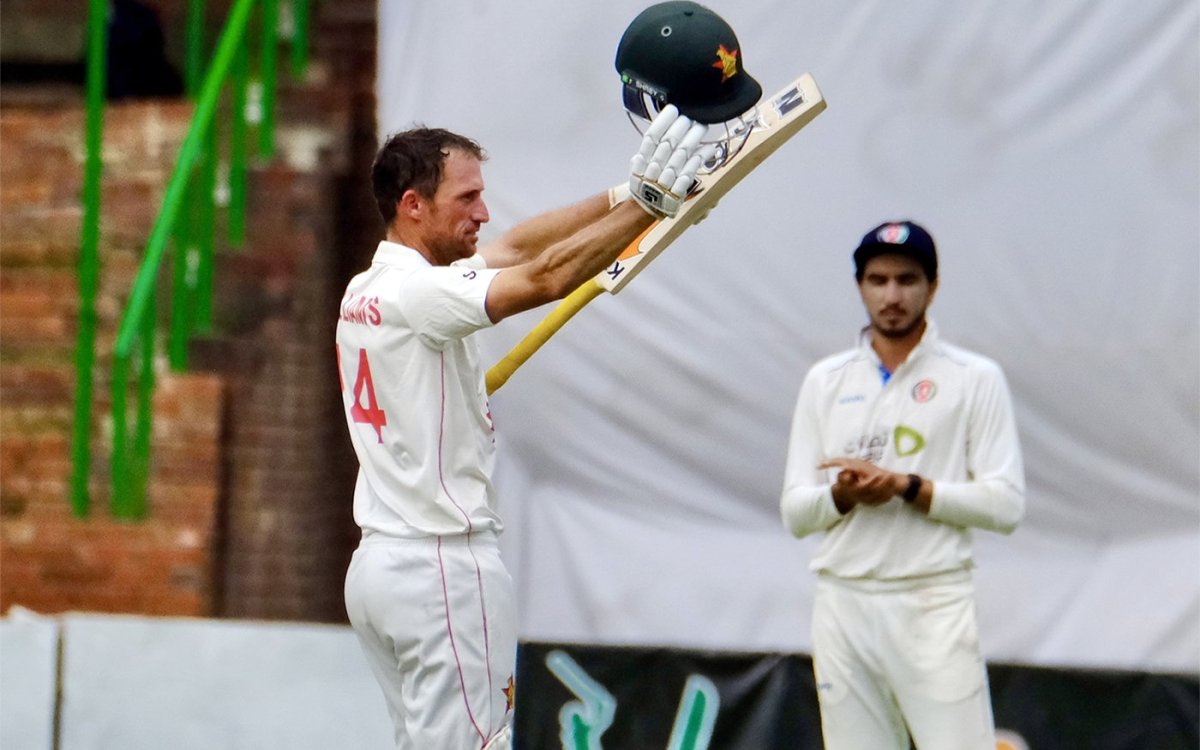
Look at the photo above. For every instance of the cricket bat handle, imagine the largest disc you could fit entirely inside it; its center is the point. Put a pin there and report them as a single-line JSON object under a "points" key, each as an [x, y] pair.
{"points": [[500, 372]]}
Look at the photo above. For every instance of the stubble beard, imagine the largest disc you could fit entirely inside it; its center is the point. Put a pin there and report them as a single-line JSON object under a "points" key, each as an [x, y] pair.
{"points": [[900, 331], [449, 250]]}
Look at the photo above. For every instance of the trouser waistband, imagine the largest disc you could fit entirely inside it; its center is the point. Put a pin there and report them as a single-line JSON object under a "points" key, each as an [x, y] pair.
{"points": [[446, 540], [958, 575]]}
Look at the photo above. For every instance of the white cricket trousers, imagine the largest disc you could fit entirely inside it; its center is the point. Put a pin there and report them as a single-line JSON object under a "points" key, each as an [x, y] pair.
{"points": [[892, 658], [437, 622]]}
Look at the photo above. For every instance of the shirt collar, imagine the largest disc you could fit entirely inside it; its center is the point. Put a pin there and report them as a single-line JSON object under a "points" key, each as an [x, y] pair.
{"points": [[928, 340], [395, 254]]}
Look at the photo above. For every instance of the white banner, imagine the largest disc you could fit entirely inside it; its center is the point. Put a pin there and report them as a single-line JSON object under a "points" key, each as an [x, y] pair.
{"points": [[1052, 150]]}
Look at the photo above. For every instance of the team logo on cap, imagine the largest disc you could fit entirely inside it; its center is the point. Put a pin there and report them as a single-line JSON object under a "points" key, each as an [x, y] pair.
{"points": [[727, 63], [893, 234]]}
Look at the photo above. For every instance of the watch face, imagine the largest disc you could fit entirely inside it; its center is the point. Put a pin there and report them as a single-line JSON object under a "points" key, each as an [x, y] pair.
{"points": [[914, 487]]}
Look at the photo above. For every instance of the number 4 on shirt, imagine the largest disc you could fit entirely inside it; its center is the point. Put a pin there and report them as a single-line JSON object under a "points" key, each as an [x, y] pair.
{"points": [[371, 413]]}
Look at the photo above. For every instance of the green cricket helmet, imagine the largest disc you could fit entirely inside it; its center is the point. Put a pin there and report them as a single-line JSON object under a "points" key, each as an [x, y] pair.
{"points": [[681, 53]]}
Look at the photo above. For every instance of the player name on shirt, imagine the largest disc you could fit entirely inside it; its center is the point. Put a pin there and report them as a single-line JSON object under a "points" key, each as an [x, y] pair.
{"points": [[362, 310]]}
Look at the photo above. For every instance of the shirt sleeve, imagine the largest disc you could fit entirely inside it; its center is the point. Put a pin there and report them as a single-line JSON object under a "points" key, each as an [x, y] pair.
{"points": [[476, 261], [446, 303], [806, 504], [993, 498]]}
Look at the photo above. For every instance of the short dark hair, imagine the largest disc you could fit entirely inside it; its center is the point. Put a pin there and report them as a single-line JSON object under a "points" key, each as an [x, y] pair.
{"points": [[413, 160]]}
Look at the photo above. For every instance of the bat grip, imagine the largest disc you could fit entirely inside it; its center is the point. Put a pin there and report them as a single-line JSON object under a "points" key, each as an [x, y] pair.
{"points": [[500, 372]]}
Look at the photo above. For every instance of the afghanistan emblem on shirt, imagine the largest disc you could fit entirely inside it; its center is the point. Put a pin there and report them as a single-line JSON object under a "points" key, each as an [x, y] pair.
{"points": [[924, 391]]}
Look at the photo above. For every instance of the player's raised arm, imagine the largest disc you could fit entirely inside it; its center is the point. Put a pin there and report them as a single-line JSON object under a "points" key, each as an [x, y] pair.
{"points": [[531, 237], [661, 172]]}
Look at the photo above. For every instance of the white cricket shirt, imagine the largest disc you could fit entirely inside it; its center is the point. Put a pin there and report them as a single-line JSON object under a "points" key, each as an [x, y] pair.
{"points": [[414, 395], [945, 414]]}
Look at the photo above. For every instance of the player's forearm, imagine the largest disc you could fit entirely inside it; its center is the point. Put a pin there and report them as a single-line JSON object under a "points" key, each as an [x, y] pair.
{"points": [[807, 509], [567, 264], [570, 262], [994, 498], [531, 237], [994, 505]]}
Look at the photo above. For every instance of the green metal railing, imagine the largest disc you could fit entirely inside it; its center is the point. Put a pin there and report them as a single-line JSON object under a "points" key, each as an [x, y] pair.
{"points": [[205, 176], [89, 256]]}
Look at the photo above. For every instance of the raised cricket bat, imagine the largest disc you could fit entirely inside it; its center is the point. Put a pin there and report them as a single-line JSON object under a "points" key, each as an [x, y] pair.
{"points": [[780, 118]]}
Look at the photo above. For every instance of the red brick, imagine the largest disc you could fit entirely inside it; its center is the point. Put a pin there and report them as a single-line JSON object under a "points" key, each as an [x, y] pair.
{"points": [[38, 292], [27, 385], [180, 508], [177, 604], [193, 400], [40, 235], [143, 137]]}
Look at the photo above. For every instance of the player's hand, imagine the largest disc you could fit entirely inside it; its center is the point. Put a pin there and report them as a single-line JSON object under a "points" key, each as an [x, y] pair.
{"points": [[664, 169], [861, 482]]}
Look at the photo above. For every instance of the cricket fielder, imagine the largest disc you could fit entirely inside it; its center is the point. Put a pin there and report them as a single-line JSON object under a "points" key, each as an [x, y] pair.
{"points": [[899, 447]]}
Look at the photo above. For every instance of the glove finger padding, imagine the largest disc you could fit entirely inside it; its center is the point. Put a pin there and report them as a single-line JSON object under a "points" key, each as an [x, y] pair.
{"points": [[678, 174], [665, 166], [680, 129], [661, 123], [687, 176], [650, 141], [686, 147]]}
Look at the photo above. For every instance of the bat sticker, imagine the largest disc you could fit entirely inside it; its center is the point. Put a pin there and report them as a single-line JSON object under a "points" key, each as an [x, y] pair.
{"points": [[789, 100]]}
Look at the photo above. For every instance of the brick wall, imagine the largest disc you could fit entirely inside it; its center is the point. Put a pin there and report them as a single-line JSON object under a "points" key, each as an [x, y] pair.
{"points": [[252, 470], [51, 560], [288, 499], [291, 467]]}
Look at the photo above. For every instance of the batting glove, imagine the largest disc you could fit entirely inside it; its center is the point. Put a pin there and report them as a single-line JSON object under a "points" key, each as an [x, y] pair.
{"points": [[664, 168]]}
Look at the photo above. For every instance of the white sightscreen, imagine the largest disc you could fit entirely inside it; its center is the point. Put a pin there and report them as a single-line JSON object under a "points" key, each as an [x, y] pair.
{"points": [[1051, 148]]}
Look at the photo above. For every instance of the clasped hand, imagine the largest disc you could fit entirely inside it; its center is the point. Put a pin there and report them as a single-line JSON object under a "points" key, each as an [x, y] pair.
{"points": [[861, 482]]}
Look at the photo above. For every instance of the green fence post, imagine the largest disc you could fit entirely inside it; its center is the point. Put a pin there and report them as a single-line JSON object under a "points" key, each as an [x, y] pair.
{"points": [[193, 52], [206, 235], [137, 506], [237, 148], [89, 258], [131, 466], [122, 478], [299, 37], [182, 290], [267, 74]]}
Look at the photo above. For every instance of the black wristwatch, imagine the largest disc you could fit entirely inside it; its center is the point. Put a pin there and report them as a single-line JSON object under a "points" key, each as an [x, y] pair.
{"points": [[913, 488]]}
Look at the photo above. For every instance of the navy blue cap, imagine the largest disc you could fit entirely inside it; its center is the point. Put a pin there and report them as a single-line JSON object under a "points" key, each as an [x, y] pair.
{"points": [[901, 238]]}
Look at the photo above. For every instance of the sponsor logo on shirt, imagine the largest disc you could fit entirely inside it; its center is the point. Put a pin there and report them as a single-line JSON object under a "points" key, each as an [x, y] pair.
{"points": [[854, 399], [867, 447], [905, 441]]}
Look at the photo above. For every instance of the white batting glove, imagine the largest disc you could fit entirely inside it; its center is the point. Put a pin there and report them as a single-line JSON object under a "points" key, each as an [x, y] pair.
{"points": [[664, 168]]}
